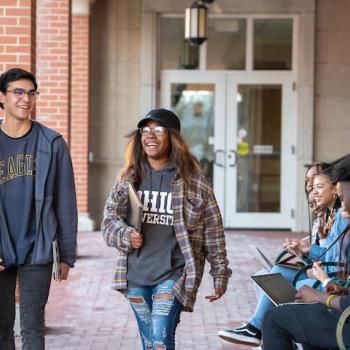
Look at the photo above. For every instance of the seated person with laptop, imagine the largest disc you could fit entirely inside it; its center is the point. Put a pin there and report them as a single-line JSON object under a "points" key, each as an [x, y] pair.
{"points": [[325, 196], [315, 325]]}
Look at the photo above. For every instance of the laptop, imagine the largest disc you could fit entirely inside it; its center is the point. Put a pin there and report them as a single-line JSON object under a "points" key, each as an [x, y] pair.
{"points": [[277, 289]]}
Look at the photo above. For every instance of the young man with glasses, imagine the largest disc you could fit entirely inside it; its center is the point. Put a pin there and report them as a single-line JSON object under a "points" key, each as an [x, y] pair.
{"points": [[37, 206]]}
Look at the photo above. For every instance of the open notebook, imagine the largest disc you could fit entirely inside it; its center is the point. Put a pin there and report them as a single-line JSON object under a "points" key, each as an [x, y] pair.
{"points": [[293, 259], [265, 260]]}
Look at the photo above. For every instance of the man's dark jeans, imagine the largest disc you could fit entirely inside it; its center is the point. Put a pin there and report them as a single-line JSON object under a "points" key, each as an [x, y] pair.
{"points": [[34, 285], [313, 325]]}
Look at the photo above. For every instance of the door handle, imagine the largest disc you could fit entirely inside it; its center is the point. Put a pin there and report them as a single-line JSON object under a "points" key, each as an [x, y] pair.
{"points": [[232, 154], [216, 157]]}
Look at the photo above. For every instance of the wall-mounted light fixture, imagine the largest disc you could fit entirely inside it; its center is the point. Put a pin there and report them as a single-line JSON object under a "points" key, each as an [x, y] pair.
{"points": [[196, 18], [189, 57]]}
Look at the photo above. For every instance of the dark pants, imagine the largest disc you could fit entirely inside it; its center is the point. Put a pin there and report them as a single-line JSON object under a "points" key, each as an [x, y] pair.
{"points": [[34, 285], [313, 325]]}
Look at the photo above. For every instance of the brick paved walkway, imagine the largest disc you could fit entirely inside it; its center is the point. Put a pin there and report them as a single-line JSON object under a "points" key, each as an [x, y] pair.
{"points": [[85, 314]]}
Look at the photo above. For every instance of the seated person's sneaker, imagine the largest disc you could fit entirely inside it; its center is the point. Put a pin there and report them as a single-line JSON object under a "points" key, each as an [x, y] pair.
{"points": [[245, 334]]}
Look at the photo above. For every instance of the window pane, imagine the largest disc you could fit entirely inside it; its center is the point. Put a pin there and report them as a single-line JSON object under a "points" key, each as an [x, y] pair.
{"points": [[259, 148], [175, 51], [273, 44], [194, 104], [226, 44]]}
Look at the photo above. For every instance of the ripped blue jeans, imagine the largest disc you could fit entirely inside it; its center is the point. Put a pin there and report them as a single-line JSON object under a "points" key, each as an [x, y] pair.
{"points": [[157, 312]]}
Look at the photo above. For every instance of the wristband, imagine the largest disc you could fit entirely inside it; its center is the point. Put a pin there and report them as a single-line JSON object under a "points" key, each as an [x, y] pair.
{"points": [[328, 301], [325, 282]]}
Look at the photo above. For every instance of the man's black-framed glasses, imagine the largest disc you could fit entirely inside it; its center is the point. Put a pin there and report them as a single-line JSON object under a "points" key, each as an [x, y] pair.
{"points": [[157, 130], [20, 93]]}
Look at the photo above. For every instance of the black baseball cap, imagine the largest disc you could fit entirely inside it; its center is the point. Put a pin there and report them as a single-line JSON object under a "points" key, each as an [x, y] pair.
{"points": [[163, 116]]}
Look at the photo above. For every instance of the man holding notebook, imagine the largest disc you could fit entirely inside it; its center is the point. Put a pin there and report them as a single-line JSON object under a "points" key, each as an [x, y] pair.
{"points": [[37, 206]]}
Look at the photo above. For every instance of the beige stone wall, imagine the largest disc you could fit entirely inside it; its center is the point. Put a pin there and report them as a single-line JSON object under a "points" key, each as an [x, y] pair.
{"points": [[332, 84], [114, 91], [234, 6], [125, 80]]}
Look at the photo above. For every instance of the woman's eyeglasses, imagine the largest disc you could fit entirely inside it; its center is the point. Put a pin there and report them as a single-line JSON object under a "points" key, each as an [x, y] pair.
{"points": [[157, 130], [20, 93]]}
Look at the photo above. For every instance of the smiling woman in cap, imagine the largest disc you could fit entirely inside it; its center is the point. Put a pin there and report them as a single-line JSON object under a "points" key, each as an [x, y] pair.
{"points": [[160, 268]]}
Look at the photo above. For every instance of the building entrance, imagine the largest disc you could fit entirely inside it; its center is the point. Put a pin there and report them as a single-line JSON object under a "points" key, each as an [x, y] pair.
{"points": [[240, 127]]}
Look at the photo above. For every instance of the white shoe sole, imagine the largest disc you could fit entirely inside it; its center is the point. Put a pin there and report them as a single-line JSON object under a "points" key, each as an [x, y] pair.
{"points": [[239, 339]]}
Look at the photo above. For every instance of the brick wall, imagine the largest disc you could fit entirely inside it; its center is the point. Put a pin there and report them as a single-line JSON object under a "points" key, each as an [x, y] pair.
{"points": [[17, 35], [37, 35], [80, 107], [53, 64]]}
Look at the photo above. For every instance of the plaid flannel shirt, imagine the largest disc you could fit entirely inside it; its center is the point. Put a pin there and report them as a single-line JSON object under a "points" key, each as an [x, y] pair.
{"points": [[198, 229]]}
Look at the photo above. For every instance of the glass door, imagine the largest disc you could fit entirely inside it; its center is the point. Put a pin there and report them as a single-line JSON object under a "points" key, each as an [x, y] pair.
{"points": [[240, 129], [199, 101], [194, 105], [259, 153]]}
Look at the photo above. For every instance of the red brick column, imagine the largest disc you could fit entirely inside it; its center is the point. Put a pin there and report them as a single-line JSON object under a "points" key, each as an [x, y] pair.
{"points": [[17, 49], [17, 35], [80, 100], [53, 64]]}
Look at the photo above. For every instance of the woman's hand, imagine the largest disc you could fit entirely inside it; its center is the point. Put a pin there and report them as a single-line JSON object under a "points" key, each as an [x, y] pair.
{"points": [[310, 274], [136, 239], [297, 245], [287, 243], [2, 267], [318, 271], [217, 294]]}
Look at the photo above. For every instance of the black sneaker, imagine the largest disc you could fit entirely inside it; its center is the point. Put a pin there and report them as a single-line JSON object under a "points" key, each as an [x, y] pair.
{"points": [[245, 334]]}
